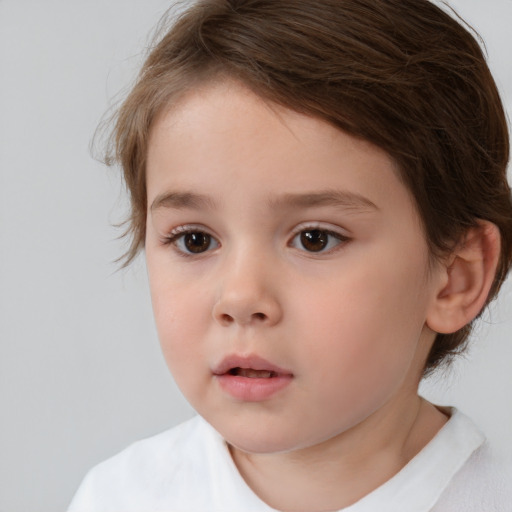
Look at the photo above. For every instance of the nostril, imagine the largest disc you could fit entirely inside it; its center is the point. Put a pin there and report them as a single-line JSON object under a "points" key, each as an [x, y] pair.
{"points": [[244, 312], [227, 318]]}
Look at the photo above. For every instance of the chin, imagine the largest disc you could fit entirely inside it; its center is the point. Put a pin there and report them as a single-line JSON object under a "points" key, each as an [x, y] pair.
{"points": [[261, 446], [265, 440]]}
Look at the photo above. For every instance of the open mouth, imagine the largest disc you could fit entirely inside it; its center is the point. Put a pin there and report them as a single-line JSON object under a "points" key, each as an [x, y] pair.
{"points": [[251, 378], [251, 367], [250, 373]]}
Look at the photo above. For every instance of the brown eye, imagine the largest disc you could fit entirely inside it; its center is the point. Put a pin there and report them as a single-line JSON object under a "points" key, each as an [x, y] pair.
{"points": [[191, 241], [314, 240], [197, 242]]}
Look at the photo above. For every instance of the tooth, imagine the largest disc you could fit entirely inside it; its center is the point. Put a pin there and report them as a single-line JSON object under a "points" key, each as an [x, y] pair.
{"points": [[254, 374]]}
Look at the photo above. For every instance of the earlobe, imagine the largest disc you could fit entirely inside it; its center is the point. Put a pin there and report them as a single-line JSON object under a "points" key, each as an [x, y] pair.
{"points": [[467, 277]]}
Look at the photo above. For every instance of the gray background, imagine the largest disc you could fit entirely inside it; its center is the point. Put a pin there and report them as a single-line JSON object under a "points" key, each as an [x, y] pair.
{"points": [[81, 374]]}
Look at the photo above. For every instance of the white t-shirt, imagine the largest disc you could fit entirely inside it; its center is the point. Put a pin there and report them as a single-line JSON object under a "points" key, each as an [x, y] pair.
{"points": [[189, 469]]}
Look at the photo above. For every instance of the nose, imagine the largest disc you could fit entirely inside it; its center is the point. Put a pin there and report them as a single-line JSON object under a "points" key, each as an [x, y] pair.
{"points": [[247, 294]]}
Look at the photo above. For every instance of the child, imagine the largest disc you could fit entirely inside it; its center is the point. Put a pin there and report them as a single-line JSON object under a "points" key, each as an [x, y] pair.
{"points": [[320, 189]]}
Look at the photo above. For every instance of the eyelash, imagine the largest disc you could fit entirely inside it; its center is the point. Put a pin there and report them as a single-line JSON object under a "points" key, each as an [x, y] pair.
{"points": [[178, 234], [305, 228]]}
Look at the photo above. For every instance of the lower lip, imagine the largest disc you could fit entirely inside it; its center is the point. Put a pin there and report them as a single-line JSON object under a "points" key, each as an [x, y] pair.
{"points": [[250, 389]]}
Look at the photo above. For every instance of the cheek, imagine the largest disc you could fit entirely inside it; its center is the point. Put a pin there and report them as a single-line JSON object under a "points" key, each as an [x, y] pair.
{"points": [[181, 314], [364, 328], [182, 331]]}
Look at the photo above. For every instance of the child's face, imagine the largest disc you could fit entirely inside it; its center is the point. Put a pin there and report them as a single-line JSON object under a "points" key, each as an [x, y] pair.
{"points": [[278, 243]]}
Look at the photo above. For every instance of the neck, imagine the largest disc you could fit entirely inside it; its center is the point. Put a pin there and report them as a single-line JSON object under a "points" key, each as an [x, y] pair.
{"points": [[339, 472]]}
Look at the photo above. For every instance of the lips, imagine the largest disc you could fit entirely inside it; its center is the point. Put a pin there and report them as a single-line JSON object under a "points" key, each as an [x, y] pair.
{"points": [[251, 378], [250, 367], [250, 373]]}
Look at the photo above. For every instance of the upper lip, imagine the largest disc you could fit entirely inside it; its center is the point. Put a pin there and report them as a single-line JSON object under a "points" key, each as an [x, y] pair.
{"points": [[253, 362]]}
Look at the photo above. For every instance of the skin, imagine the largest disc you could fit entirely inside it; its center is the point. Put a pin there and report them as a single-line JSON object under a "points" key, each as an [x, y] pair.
{"points": [[349, 322]]}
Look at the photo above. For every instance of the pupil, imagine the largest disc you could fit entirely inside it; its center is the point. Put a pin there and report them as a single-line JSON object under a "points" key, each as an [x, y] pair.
{"points": [[197, 242], [314, 240]]}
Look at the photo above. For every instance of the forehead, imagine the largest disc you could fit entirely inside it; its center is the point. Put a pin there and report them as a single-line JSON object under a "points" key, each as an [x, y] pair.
{"points": [[223, 139]]}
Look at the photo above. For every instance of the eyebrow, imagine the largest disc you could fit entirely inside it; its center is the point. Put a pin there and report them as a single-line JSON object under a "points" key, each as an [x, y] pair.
{"points": [[336, 198], [183, 200]]}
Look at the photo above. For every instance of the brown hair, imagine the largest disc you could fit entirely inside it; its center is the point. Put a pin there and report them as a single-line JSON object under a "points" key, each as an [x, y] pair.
{"points": [[401, 74]]}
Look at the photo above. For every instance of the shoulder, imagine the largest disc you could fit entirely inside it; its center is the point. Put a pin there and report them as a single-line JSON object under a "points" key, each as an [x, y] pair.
{"points": [[483, 483], [151, 455], [142, 472], [186, 468]]}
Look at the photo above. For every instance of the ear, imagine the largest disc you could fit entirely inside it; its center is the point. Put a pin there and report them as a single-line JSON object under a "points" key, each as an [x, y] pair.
{"points": [[465, 279]]}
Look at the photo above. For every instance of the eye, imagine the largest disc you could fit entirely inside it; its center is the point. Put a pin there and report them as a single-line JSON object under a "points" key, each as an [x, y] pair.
{"points": [[191, 242], [317, 240]]}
